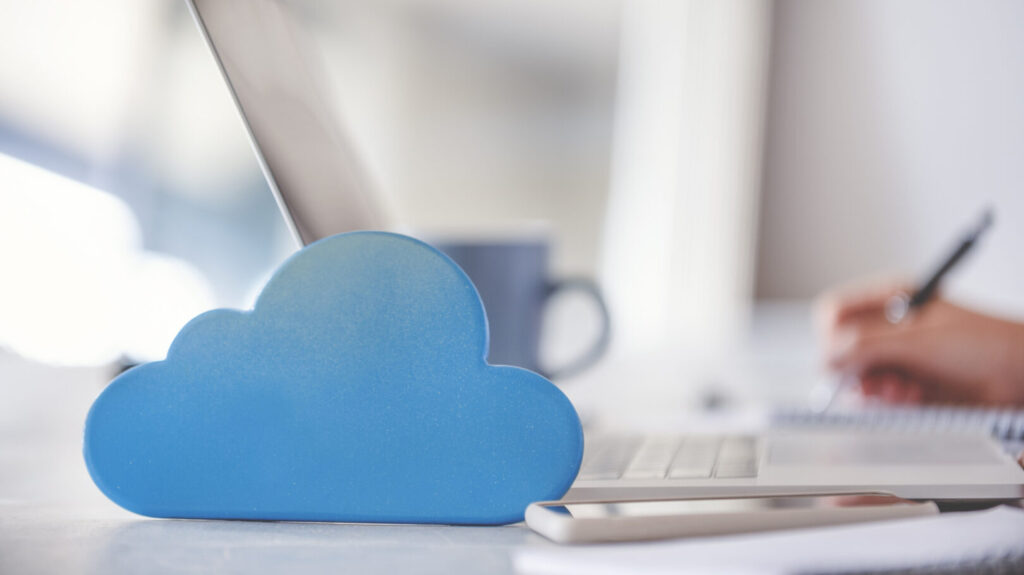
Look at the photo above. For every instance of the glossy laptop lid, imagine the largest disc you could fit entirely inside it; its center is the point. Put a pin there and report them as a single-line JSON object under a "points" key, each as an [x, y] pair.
{"points": [[285, 104]]}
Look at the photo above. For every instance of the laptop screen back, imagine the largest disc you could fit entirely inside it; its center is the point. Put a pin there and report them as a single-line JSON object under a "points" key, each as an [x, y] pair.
{"points": [[283, 98]]}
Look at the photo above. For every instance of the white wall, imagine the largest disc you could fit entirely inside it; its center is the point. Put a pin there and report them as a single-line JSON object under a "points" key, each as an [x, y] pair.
{"points": [[890, 125], [478, 115]]}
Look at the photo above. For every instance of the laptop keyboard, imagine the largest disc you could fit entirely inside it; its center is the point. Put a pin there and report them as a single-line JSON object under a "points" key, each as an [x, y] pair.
{"points": [[668, 457]]}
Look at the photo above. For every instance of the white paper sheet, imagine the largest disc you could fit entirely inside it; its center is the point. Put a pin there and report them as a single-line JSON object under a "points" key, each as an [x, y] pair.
{"points": [[946, 538]]}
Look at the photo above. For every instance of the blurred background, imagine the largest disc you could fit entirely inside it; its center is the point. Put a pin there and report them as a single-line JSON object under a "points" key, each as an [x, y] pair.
{"points": [[714, 164]]}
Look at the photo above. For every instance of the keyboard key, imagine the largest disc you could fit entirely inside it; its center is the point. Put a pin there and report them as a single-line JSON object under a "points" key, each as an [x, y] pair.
{"points": [[737, 449], [700, 446], [736, 470], [737, 458], [695, 459], [606, 459], [690, 472], [653, 459]]}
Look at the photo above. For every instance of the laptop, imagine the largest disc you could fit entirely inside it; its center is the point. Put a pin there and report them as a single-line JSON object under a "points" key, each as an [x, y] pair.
{"points": [[322, 189]]}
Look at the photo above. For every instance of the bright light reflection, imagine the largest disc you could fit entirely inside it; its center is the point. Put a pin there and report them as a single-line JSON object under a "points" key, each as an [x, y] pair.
{"points": [[75, 286]]}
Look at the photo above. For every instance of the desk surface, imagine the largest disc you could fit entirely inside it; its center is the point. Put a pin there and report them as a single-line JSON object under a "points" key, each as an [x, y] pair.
{"points": [[53, 520], [55, 539]]}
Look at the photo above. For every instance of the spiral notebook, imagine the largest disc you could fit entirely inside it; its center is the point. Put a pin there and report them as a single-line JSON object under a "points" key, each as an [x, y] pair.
{"points": [[1000, 564], [1006, 425]]}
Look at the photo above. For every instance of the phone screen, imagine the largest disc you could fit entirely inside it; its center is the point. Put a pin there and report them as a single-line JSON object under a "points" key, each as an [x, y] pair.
{"points": [[605, 510]]}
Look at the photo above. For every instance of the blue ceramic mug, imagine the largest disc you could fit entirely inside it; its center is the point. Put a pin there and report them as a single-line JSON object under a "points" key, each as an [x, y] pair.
{"points": [[514, 283]]}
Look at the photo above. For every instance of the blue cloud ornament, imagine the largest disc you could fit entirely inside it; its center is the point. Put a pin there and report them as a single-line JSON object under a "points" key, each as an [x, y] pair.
{"points": [[355, 390]]}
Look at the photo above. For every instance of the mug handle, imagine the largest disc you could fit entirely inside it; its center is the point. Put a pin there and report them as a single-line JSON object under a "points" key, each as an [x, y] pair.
{"points": [[600, 346]]}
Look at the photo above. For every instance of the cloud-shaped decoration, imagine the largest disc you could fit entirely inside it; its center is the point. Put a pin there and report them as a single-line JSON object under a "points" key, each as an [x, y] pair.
{"points": [[356, 390]]}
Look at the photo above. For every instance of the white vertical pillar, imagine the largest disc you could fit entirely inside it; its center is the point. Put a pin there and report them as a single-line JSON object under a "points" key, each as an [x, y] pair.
{"points": [[679, 255]]}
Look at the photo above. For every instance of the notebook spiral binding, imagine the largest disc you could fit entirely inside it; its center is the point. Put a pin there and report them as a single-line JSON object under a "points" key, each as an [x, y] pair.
{"points": [[1006, 425], [1011, 563]]}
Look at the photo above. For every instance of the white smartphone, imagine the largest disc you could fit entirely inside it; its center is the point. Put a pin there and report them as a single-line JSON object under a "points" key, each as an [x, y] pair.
{"points": [[610, 521]]}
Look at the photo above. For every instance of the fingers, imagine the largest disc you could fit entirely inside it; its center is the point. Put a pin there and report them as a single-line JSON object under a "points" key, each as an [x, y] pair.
{"points": [[837, 307], [940, 353], [891, 362], [872, 345], [897, 365], [892, 386]]}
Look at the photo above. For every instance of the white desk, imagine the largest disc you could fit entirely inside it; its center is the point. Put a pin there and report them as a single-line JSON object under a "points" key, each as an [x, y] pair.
{"points": [[43, 539], [53, 520]]}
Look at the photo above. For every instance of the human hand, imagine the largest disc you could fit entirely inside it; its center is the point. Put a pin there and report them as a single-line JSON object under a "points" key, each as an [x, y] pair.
{"points": [[940, 353]]}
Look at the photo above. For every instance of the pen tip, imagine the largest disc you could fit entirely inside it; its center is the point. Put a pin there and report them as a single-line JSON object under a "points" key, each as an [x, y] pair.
{"points": [[988, 217]]}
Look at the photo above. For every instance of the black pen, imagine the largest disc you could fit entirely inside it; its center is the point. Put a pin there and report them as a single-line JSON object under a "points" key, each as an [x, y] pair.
{"points": [[899, 306]]}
